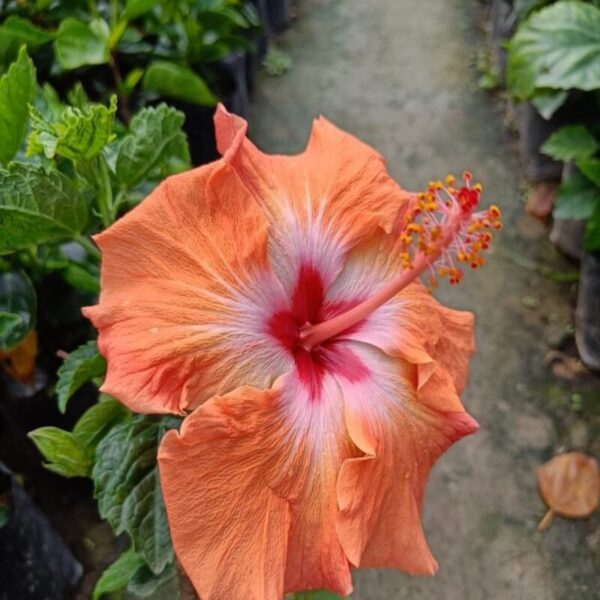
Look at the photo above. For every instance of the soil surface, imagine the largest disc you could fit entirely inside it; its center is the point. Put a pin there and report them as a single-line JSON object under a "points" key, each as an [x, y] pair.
{"points": [[401, 75]]}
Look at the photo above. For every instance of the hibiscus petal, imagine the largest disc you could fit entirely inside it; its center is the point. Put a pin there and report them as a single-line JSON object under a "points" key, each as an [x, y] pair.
{"points": [[186, 289], [229, 529], [250, 491], [412, 326], [321, 202], [380, 495]]}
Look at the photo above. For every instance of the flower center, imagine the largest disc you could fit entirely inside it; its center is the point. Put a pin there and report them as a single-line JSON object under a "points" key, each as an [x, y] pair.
{"points": [[437, 229], [307, 309]]}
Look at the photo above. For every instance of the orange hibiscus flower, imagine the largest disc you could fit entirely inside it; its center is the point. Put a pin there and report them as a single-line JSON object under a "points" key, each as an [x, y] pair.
{"points": [[275, 301]]}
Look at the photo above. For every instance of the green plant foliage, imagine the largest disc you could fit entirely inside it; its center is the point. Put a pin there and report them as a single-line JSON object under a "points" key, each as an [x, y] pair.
{"points": [[315, 595], [17, 88], [17, 308], [155, 138], [128, 490], [117, 576], [78, 44], [547, 102], [67, 456], [570, 143], [592, 230], [80, 366], [136, 8], [97, 421], [146, 584], [23, 31], [38, 206], [179, 82], [576, 198], [80, 134], [556, 48], [277, 62]]}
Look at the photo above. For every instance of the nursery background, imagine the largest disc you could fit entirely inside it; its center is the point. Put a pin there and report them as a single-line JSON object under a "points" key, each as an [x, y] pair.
{"points": [[99, 101]]}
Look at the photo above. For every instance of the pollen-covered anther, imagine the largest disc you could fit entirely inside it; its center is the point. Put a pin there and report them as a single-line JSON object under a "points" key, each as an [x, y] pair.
{"points": [[443, 229]]}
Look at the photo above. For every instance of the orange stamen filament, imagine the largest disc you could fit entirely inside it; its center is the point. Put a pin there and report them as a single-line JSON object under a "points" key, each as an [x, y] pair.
{"points": [[448, 227]]}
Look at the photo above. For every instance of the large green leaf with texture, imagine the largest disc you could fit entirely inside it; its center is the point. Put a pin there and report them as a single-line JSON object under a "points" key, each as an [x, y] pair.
{"points": [[17, 308], [118, 574], [155, 138], [179, 82], [576, 199], [17, 89], [25, 32], [37, 207], [78, 44], [571, 142], [79, 134], [556, 48], [128, 490], [82, 365], [98, 420]]}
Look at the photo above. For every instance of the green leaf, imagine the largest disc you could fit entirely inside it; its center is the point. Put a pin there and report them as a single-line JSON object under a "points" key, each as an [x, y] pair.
{"points": [[80, 133], [315, 595], [17, 89], [548, 102], [78, 44], [576, 198], [117, 576], [557, 48], [66, 455], [136, 8], [590, 167], [571, 142], [4, 514], [155, 137], [82, 365], [38, 207], [592, 230], [17, 308], [128, 490], [25, 32], [146, 584], [175, 81], [97, 421]]}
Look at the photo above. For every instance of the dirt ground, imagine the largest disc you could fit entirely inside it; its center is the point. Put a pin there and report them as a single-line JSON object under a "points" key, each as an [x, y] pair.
{"points": [[401, 75]]}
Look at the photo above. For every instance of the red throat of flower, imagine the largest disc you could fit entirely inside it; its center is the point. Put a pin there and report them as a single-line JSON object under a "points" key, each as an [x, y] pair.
{"points": [[438, 230]]}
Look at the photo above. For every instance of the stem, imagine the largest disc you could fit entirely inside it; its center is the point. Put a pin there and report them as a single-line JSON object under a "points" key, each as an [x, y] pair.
{"points": [[123, 98], [89, 246], [105, 197], [547, 519], [316, 334]]}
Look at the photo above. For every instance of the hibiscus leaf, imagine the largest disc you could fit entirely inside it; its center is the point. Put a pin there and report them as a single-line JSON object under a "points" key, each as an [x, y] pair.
{"points": [[571, 142], [78, 44], [17, 88], [66, 455], [38, 207], [592, 230], [155, 138], [82, 365], [128, 490], [576, 198], [556, 48], [17, 309], [98, 420], [25, 32], [175, 81], [146, 584], [80, 133], [590, 167], [118, 574]]}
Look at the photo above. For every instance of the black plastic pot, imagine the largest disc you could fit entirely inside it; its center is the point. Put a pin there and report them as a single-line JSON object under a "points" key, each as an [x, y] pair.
{"points": [[232, 84], [587, 315], [502, 26], [35, 564], [279, 13]]}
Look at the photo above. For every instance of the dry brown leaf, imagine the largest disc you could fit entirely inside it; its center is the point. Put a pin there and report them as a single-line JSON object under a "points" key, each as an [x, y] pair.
{"points": [[19, 363], [570, 486]]}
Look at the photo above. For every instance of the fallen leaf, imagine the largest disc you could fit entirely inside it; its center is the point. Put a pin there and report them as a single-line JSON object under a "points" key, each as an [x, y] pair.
{"points": [[565, 366], [570, 486], [19, 363]]}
